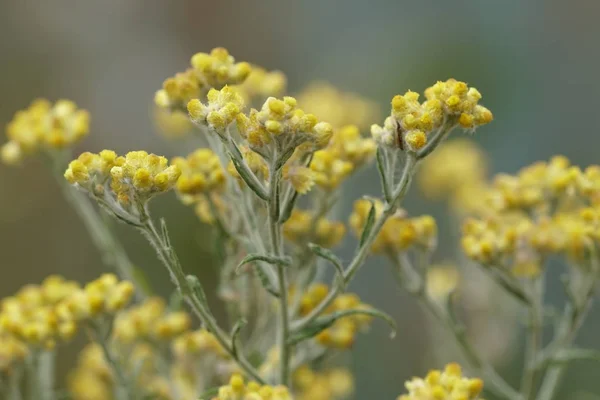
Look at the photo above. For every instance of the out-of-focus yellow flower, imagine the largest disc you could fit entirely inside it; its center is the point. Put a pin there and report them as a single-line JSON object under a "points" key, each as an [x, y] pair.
{"points": [[201, 172], [302, 228], [44, 126], [197, 344], [221, 109], [329, 170], [456, 163], [341, 334], [150, 321], [237, 389], [332, 384], [337, 107], [103, 296], [441, 280], [172, 124], [262, 84], [208, 71], [449, 384], [399, 232], [301, 178], [33, 316]]}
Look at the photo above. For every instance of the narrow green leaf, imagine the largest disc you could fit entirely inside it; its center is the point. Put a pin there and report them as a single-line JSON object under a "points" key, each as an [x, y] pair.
{"points": [[165, 233], [235, 332], [269, 259], [329, 256], [265, 281], [288, 208], [369, 224], [382, 175], [280, 162], [248, 179], [575, 354], [326, 321], [197, 289]]}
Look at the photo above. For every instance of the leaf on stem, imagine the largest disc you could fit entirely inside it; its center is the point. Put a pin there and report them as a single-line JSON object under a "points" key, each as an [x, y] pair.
{"points": [[326, 321], [369, 224], [382, 174], [329, 256], [288, 208], [235, 332], [269, 259], [197, 289]]}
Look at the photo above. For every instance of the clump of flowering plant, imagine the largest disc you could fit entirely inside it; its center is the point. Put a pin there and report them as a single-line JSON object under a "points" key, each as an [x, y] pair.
{"points": [[269, 185]]}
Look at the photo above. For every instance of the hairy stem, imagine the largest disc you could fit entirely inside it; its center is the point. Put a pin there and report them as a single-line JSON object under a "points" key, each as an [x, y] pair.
{"points": [[494, 381], [276, 248], [169, 258], [390, 207]]}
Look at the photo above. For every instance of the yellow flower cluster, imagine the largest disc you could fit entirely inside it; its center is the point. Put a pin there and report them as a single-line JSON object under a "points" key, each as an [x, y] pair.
{"points": [[32, 316], [44, 125], [91, 171], [337, 383], [329, 167], [337, 107], [197, 343], [454, 170], [341, 334], [140, 176], [458, 99], [399, 232], [207, 71], [447, 103], [221, 109], [282, 122], [548, 207], [150, 321], [201, 172], [449, 384], [441, 280], [302, 228], [237, 389], [262, 84], [103, 296]]}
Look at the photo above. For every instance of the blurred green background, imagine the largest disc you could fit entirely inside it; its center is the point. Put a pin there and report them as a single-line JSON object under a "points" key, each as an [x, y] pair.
{"points": [[535, 61]]}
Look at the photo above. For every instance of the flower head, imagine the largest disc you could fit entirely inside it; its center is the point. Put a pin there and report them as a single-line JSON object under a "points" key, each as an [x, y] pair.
{"points": [[44, 126], [303, 227], [208, 71], [201, 172], [448, 384], [222, 108], [140, 176]]}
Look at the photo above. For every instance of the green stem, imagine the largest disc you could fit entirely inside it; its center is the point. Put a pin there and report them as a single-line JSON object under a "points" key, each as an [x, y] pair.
{"points": [[123, 390], [534, 340], [276, 248], [390, 208], [169, 258], [45, 373], [493, 380]]}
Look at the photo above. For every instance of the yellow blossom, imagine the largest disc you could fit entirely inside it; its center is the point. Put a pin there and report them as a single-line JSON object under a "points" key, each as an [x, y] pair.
{"points": [[237, 389], [221, 109], [201, 172], [141, 175], [337, 107], [449, 384], [302, 227], [44, 126]]}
